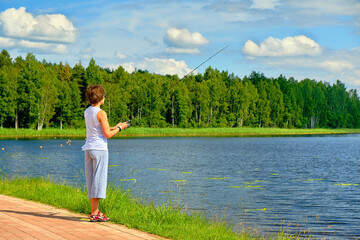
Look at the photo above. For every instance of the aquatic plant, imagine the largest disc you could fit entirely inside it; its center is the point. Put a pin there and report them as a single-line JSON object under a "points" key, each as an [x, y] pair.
{"points": [[179, 180], [218, 178], [346, 184], [159, 169]]}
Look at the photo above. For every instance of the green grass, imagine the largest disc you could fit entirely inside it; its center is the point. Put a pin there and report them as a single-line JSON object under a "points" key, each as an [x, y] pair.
{"points": [[51, 132], [173, 132], [166, 220]]}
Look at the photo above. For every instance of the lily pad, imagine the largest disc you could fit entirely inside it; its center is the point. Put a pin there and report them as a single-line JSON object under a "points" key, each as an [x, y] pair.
{"points": [[180, 180], [218, 178], [248, 186], [346, 184], [259, 209], [159, 169]]}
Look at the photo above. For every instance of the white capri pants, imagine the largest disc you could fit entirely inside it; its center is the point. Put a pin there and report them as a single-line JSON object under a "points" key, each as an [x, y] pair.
{"points": [[96, 171]]}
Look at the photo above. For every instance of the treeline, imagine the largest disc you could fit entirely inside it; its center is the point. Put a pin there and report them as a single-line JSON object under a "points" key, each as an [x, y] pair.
{"points": [[35, 94]]}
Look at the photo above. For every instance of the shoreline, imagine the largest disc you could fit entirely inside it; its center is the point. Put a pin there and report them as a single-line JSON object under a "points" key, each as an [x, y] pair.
{"points": [[175, 132], [168, 220]]}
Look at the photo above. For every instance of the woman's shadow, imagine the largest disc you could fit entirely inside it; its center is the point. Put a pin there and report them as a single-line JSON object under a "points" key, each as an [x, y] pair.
{"points": [[54, 215]]}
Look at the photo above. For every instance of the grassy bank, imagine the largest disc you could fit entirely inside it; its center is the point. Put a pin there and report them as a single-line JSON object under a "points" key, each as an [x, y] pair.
{"points": [[230, 131], [175, 132], [165, 220], [52, 132]]}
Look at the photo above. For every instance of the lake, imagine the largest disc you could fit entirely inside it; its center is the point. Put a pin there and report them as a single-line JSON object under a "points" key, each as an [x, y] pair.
{"points": [[265, 183]]}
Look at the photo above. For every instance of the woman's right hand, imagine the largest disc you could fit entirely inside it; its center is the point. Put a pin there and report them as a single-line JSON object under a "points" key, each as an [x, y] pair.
{"points": [[123, 125]]}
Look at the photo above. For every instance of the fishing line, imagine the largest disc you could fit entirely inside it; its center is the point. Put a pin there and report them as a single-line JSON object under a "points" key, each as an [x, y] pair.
{"points": [[172, 86]]}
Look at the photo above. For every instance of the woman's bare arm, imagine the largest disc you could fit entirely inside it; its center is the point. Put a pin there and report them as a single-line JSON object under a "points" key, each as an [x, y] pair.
{"points": [[108, 131]]}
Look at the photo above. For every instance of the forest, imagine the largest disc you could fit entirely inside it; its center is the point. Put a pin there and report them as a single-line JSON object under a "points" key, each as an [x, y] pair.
{"points": [[38, 94]]}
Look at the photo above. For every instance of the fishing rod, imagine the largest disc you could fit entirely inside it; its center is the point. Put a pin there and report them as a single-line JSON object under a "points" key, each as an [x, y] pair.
{"points": [[172, 86]]}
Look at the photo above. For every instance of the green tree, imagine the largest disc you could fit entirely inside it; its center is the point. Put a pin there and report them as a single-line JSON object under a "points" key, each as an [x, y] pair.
{"points": [[263, 105], [218, 97], [6, 96], [243, 98], [5, 59], [353, 110], [47, 99], [275, 97], [93, 73], [181, 105], [8, 85], [139, 98], [306, 99], [79, 77], [118, 95], [27, 91], [68, 108], [36, 94], [292, 111], [63, 108], [200, 100], [338, 105], [321, 106]]}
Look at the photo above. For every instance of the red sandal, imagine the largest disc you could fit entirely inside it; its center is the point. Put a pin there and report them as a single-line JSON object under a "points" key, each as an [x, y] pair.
{"points": [[100, 217]]}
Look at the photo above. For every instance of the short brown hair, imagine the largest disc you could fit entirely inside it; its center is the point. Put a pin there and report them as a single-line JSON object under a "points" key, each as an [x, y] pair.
{"points": [[95, 93]]}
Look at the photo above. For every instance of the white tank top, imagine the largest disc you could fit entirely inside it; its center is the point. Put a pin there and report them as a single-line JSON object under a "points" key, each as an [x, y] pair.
{"points": [[95, 138]]}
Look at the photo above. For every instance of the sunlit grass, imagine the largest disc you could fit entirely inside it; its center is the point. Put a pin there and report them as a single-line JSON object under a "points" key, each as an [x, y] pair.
{"points": [[229, 131], [25, 132], [163, 132]]}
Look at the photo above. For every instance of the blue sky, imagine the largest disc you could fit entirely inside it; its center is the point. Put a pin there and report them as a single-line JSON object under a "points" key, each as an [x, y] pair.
{"points": [[316, 39]]}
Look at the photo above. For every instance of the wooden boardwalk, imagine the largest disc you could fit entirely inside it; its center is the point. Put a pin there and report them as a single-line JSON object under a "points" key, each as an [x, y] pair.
{"points": [[21, 219]]}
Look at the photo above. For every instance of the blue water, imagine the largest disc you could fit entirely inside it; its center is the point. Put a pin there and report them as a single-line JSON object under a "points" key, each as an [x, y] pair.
{"points": [[263, 183]]}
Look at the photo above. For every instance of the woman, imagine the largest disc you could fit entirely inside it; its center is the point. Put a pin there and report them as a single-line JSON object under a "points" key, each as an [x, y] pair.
{"points": [[96, 149]]}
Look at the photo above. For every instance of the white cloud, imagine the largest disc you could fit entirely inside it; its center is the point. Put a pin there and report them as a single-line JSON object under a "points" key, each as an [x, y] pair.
{"points": [[182, 41], [330, 66], [87, 53], [55, 27], [43, 47], [289, 46], [18, 23], [184, 38], [120, 55], [39, 46], [340, 62], [165, 66], [6, 42], [160, 66], [320, 7], [44, 33], [309, 13], [182, 50], [129, 67], [315, 64], [264, 4], [335, 65]]}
